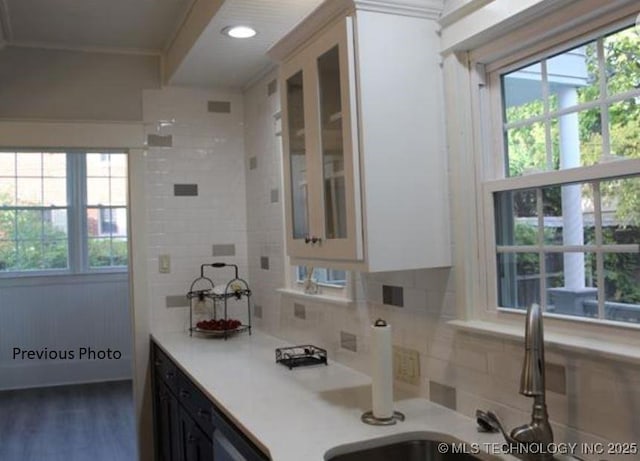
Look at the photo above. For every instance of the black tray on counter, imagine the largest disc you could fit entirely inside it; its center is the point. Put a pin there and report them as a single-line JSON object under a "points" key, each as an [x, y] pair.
{"points": [[300, 356]]}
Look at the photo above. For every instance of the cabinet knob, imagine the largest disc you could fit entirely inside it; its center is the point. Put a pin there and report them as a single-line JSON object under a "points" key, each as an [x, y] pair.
{"points": [[204, 413], [307, 240]]}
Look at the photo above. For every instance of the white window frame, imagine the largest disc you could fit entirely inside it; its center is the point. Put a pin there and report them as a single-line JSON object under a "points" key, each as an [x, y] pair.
{"points": [[479, 309], [77, 236]]}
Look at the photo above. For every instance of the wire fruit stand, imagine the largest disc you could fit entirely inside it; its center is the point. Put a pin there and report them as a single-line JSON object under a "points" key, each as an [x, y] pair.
{"points": [[206, 298]]}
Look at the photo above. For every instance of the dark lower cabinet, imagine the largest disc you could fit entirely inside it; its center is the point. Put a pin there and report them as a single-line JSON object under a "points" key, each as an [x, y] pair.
{"points": [[167, 421], [196, 446], [187, 425]]}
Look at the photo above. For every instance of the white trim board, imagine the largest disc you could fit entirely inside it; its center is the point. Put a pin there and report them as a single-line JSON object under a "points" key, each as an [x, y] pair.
{"points": [[592, 347]]}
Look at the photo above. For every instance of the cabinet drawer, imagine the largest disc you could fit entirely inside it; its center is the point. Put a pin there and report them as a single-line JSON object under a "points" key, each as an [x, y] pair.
{"points": [[197, 404], [165, 369]]}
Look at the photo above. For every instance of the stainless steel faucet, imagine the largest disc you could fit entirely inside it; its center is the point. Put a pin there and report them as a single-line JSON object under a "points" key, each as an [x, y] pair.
{"points": [[532, 384]]}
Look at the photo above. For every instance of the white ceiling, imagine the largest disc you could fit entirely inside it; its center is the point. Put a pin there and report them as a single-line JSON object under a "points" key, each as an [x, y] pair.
{"points": [[149, 26], [217, 60]]}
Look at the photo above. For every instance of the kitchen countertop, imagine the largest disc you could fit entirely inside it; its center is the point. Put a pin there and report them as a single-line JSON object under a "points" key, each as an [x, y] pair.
{"points": [[300, 414]]}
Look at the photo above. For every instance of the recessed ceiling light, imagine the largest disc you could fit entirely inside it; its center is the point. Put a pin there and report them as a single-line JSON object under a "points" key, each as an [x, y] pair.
{"points": [[239, 31]]}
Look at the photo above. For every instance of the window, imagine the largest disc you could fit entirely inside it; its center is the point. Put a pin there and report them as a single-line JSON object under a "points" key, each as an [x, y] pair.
{"points": [[322, 276], [106, 209], [566, 204], [62, 211]]}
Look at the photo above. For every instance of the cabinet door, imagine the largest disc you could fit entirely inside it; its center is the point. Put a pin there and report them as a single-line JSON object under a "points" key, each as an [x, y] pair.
{"points": [[196, 446], [167, 424], [338, 173], [322, 188], [298, 155]]}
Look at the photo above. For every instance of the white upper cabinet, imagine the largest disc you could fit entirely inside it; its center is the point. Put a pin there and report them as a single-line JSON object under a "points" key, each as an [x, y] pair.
{"points": [[363, 135]]}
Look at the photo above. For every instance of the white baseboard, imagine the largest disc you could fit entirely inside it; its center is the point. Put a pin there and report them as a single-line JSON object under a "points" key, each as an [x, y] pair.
{"points": [[46, 374]]}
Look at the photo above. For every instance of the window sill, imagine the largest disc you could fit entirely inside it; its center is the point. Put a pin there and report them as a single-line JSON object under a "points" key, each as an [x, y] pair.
{"points": [[315, 298], [582, 344], [50, 278]]}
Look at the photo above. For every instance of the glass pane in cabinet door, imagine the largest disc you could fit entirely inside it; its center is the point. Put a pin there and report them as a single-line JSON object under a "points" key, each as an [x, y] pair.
{"points": [[332, 145], [297, 157]]}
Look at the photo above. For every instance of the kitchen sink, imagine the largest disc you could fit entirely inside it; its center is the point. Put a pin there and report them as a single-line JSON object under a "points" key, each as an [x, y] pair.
{"points": [[405, 447]]}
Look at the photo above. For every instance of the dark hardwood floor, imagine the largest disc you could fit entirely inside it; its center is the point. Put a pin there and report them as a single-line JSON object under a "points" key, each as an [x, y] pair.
{"points": [[88, 422]]}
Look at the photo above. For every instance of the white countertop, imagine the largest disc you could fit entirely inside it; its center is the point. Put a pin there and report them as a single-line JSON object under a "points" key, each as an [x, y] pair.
{"points": [[299, 414]]}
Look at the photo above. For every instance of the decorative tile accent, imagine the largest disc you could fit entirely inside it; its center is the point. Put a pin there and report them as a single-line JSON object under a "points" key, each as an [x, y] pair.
{"points": [[185, 190], [275, 195], [348, 341], [277, 123], [177, 301], [299, 311], [253, 163], [556, 378], [393, 296], [257, 311], [219, 107], [264, 263], [442, 395], [223, 250], [272, 87], [156, 140]]}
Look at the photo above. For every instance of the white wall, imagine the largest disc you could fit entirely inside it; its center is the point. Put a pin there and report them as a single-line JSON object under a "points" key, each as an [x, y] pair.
{"points": [[61, 314], [208, 150], [602, 398], [73, 85]]}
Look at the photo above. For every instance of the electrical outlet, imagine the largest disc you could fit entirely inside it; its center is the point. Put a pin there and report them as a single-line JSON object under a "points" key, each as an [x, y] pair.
{"points": [[406, 365]]}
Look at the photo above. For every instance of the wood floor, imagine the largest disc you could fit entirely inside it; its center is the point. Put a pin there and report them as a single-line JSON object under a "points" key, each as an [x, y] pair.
{"points": [[88, 422]]}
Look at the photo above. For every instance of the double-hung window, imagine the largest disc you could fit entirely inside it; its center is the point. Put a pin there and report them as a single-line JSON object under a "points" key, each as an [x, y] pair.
{"points": [[62, 212], [564, 204]]}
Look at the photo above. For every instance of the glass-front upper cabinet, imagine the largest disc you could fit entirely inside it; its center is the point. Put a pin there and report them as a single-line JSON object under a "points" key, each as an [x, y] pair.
{"points": [[363, 131], [323, 219]]}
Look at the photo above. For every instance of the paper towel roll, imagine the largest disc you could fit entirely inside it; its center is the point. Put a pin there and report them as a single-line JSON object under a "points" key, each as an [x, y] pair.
{"points": [[382, 370]]}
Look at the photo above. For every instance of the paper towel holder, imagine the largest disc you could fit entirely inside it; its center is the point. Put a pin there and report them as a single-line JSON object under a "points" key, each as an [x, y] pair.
{"points": [[368, 417]]}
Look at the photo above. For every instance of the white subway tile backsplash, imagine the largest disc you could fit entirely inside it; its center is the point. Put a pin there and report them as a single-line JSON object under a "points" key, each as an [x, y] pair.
{"points": [[207, 151]]}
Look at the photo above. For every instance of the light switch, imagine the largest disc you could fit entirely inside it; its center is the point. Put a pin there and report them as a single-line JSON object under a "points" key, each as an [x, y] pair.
{"points": [[164, 264]]}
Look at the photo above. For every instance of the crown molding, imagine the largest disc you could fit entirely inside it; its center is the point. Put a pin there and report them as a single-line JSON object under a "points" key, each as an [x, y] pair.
{"points": [[330, 10], [455, 10], [85, 49], [430, 9]]}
